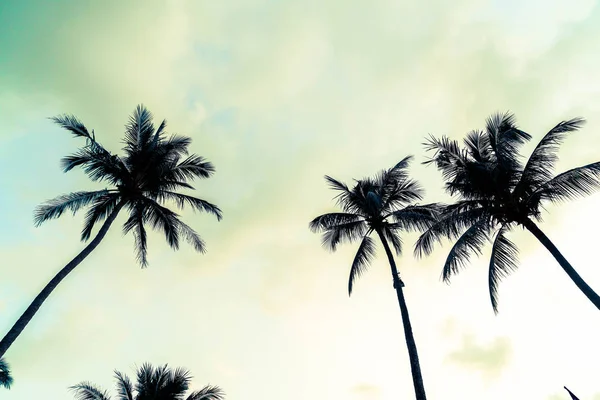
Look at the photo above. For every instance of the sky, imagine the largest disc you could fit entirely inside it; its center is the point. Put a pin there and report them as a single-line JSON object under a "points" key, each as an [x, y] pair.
{"points": [[277, 94]]}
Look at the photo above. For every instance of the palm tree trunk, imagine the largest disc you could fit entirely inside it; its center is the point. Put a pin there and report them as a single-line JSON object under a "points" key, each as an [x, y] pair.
{"points": [[24, 319], [415, 366], [578, 280]]}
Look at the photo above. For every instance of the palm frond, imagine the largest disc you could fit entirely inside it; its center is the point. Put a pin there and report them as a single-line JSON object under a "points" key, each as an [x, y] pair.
{"points": [[540, 166], [136, 222], [139, 129], [347, 199], [506, 138], [403, 193], [576, 182], [470, 242], [330, 220], [191, 237], [348, 232], [362, 259], [502, 262], [451, 224], [416, 217], [73, 201], [393, 237], [98, 164], [72, 124], [192, 167], [194, 202], [161, 218], [87, 391], [176, 384], [207, 393], [102, 207], [124, 386], [6, 379]]}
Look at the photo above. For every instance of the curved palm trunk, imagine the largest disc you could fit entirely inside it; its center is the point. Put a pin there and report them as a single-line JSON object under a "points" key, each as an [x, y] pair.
{"points": [[24, 319], [578, 280], [415, 366]]}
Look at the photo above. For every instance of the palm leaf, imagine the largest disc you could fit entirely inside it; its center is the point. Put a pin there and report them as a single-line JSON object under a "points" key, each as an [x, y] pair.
{"points": [[124, 387], [472, 241], [362, 259], [6, 379], [347, 232], [392, 236], [194, 202], [416, 217], [577, 182], [330, 220], [191, 237], [502, 262], [541, 163], [207, 393], [87, 391], [73, 201], [102, 207]]}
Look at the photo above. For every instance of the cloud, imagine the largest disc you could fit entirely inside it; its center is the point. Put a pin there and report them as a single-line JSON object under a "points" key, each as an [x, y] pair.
{"points": [[366, 391], [488, 359]]}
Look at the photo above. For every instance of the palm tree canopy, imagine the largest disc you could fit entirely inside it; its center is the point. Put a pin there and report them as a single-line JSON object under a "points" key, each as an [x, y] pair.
{"points": [[6, 379], [383, 203], [497, 190], [153, 383], [154, 167]]}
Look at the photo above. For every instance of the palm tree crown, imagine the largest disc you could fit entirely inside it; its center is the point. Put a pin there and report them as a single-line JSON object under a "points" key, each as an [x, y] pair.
{"points": [[6, 379], [381, 204], [149, 174], [497, 191], [160, 383]]}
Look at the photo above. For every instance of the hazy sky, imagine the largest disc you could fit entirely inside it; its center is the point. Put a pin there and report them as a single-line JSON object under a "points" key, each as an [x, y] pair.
{"points": [[276, 94]]}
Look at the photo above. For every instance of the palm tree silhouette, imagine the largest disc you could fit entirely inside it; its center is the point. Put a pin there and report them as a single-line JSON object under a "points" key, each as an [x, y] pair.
{"points": [[151, 171], [497, 192], [160, 383], [381, 205], [6, 379]]}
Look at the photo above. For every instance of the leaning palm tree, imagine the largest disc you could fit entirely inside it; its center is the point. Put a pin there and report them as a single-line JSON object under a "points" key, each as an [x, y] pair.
{"points": [[381, 205], [6, 379], [151, 171], [497, 191], [160, 383]]}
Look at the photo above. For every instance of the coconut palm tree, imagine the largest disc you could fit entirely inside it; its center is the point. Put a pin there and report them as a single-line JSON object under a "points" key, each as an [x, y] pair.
{"points": [[149, 174], [380, 205], [160, 383], [5, 377], [496, 191]]}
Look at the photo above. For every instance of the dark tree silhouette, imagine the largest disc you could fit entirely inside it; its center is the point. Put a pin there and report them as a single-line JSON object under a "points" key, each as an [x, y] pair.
{"points": [[382, 205], [497, 191], [573, 397], [160, 383], [154, 167], [6, 379]]}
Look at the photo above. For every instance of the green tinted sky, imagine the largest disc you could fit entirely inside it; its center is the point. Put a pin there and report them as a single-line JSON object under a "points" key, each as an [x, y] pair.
{"points": [[277, 94]]}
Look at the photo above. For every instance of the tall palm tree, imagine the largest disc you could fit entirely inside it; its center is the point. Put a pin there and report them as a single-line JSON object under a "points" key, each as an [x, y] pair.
{"points": [[160, 383], [154, 166], [381, 205], [497, 191], [6, 379]]}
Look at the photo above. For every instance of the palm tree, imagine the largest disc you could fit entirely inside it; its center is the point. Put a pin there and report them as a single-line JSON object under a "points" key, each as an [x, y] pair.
{"points": [[6, 379], [160, 383], [151, 171], [497, 191], [381, 205]]}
